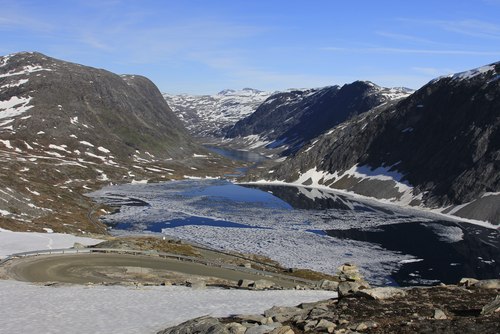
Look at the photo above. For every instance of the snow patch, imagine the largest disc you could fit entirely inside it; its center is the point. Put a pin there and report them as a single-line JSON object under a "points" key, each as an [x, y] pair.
{"points": [[103, 149], [18, 242], [86, 143], [120, 310], [15, 106]]}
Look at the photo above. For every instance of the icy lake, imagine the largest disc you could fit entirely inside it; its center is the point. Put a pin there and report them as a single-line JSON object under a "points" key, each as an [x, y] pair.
{"points": [[308, 228]]}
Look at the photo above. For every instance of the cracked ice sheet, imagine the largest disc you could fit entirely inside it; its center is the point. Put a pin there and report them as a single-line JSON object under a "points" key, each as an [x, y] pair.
{"points": [[280, 233], [297, 249]]}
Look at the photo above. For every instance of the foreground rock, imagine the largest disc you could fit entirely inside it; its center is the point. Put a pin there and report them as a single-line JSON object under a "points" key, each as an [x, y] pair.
{"points": [[441, 309]]}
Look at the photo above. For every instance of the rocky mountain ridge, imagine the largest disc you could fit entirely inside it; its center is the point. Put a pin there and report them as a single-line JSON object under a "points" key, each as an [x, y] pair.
{"points": [[290, 119], [437, 148], [67, 128]]}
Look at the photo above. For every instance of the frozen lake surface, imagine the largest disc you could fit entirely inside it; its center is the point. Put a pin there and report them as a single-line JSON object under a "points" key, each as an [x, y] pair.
{"points": [[308, 228]]}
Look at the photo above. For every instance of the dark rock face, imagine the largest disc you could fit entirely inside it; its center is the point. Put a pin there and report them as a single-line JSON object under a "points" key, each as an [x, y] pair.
{"points": [[292, 118], [121, 113], [444, 139]]}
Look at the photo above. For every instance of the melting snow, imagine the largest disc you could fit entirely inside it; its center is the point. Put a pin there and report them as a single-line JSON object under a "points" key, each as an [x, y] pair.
{"points": [[17, 242], [127, 310], [103, 150], [467, 75], [6, 143], [86, 143], [15, 106]]}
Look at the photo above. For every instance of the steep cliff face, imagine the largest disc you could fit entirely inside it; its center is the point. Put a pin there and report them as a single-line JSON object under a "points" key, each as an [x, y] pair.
{"points": [[440, 147], [67, 128], [291, 119]]}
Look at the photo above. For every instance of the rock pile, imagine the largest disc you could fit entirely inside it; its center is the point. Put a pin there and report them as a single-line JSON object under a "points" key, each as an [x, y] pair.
{"points": [[466, 308]]}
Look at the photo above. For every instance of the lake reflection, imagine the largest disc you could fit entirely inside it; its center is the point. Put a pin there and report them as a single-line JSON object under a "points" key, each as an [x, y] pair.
{"points": [[308, 228]]}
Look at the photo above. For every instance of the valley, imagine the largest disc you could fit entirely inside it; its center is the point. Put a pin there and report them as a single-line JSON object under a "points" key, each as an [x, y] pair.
{"points": [[288, 184]]}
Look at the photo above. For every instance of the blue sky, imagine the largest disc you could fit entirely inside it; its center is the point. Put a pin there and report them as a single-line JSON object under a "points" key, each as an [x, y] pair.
{"points": [[202, 47]]}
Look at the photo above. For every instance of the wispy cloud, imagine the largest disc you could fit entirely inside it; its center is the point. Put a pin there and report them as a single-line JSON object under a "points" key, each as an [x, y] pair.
{"points": [[404, 37], [413, 51], [466, 27], [11, 21], [432, 71]]}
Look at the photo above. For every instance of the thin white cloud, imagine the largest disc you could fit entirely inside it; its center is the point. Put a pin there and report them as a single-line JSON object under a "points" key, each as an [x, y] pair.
{"points": [[404, 37], [12, 21], [413, 51], [465, 27], [432, 71]]}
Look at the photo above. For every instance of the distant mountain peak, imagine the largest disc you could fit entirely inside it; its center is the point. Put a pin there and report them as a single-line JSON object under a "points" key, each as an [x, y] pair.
{"points": [[208, 115]]}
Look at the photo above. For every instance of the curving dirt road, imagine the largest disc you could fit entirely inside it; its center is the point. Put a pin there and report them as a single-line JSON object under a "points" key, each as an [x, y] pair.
{"points": [[112, 268]]}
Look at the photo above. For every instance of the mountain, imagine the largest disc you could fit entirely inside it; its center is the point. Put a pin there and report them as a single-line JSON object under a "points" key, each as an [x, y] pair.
{"points": [[67, 128], [438, 148], [208, 115], [290, 119]]}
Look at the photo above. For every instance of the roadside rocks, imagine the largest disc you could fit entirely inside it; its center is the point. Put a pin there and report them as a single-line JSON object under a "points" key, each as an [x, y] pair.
{"points": [[439, 309], [204, 324], [382, 293], [351, 280], [261, 284]]}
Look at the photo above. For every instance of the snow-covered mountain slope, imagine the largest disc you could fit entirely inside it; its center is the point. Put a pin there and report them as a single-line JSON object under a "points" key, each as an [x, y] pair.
{"points": [[66, 128], [209, 115], [438, 148], [290, 119]]}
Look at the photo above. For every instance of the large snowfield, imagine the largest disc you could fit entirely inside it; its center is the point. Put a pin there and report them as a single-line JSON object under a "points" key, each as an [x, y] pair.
{"points": [[29, 308], [17, 242]]}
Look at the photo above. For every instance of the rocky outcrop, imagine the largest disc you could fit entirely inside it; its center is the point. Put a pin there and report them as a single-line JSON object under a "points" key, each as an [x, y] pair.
{"points": [[439, 147], [442, 309], [204, 324]]}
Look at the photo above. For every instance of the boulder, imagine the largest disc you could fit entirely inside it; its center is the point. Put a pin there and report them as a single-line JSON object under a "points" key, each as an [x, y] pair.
{"points": [[328, 285], [236, 328], [245, 283], [488, 284], [492, 307], [262, 284], [282, 330], [310, 325], [78, 245], [348, 288], [382, 293], [252, 318], [282, 314], [203, 324], [439, 315], [198, 285], [325, 325], [467, 282], [349, 272], [262, 329]]}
